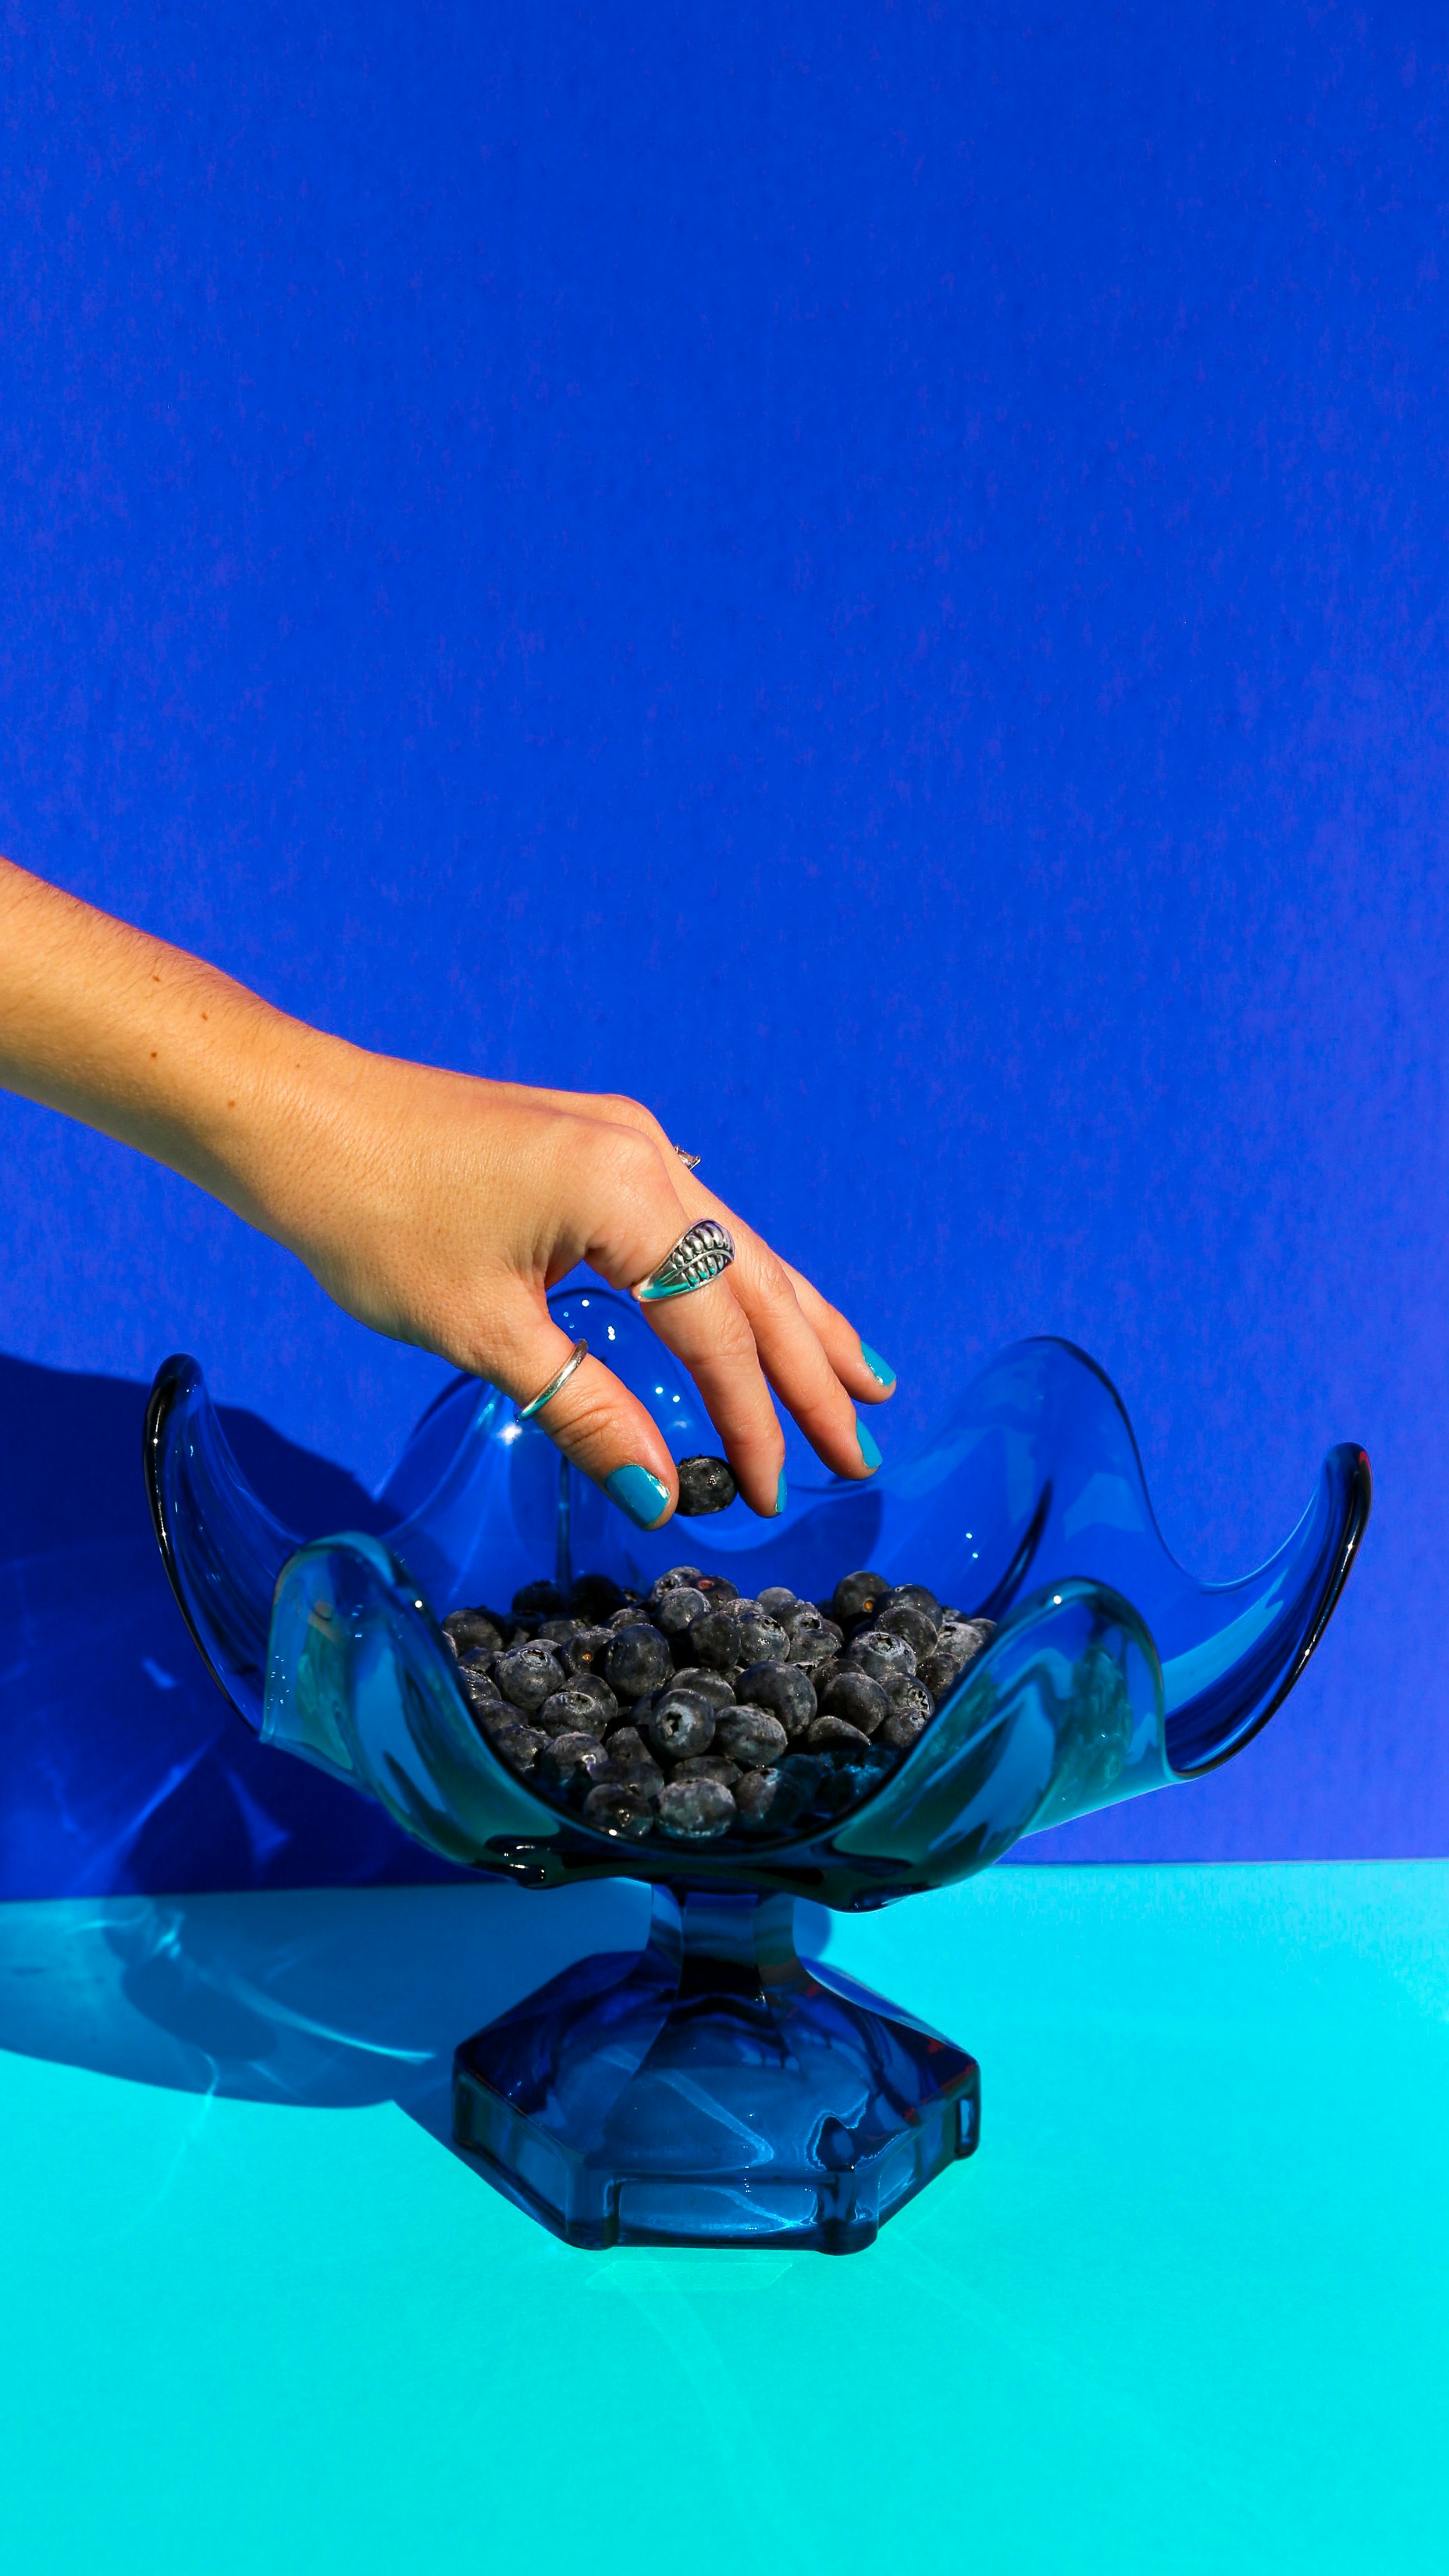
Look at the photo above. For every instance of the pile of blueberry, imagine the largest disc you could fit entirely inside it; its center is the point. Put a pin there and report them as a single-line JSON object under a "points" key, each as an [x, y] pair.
{"points": [[693, 1712]]}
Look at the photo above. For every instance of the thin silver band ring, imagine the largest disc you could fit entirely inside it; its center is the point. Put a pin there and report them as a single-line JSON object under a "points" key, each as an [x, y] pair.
{"points": [[576, 1358]]}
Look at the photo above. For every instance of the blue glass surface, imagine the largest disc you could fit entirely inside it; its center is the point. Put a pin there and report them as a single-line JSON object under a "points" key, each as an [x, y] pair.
{"points": [[1111, 1672]]}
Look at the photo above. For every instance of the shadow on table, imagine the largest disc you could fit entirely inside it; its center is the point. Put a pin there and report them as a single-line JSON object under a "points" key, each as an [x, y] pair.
{"points": [[321, 1998]]}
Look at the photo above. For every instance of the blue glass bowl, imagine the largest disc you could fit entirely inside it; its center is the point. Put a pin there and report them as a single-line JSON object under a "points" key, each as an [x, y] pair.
{"points": [[714, 2089]]}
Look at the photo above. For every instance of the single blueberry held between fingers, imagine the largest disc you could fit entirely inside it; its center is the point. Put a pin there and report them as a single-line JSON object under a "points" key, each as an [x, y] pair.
{"points": [[705, 1485]]}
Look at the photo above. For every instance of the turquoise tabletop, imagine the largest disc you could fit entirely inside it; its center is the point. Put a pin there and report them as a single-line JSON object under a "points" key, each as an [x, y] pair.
{"points": [[1187, 2309]]}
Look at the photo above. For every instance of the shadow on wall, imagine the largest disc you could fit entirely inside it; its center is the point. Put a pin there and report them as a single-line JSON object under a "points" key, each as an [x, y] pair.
{"points": [[122, 1767]]}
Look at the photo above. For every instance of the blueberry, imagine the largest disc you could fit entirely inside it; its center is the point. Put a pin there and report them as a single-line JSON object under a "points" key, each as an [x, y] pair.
{"points": [[815, 1646], [471, 1631], [538, 1601], [911, 1699], [708, 1766], [680, 1724], [586, 1650], [914, 1596], [527, 1676], [875, 1652], [474, 1676], [858, 1596], [784, 1689], [597, 1689], [713, 1688], [696, 1811], [673, 1612], [638, 1661], [573, 1711], [834, 1734], [903, 1619], [680, 1578], [631, 1616], [711, 1640], [630, 1759], [617, 1808], [595, 1597], [561, 1758], [856, 1699], [752, 1737], [756, 1796], [705, 1485], [518, 1746], [759, 1639], [958, 1645], [557, 1632], [901, 1729], [717, 1587], [778, 1601]]}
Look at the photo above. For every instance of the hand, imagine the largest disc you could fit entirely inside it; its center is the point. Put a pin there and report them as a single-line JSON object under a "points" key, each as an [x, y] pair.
{"points": [[435, 1207], [440, 1209]]}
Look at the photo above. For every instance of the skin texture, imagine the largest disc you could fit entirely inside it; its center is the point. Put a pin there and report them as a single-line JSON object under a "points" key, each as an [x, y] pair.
{"points": [[435, 1207]]}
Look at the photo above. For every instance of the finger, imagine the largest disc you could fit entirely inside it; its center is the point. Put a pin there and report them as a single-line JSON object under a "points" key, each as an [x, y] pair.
{"points": [[871, 1379], [709, 1331], [794, 1361], [593, 1419], [635, 1217]]}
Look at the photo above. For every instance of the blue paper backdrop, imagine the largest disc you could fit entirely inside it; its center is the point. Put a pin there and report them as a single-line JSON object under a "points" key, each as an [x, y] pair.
{"points": [[873, 575]]}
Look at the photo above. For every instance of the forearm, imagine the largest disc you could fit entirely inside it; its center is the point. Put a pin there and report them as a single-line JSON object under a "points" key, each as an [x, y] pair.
{"points": [[153, 1046]]}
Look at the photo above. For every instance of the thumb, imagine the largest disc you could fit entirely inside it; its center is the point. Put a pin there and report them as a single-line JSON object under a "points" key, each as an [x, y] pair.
{"points": [[600, 1427]]}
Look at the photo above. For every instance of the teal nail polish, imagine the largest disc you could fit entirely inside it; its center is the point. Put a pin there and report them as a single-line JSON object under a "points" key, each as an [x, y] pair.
{"points": [[868, 1449], [780, 1495], [637, 1493], [880, 1369]]}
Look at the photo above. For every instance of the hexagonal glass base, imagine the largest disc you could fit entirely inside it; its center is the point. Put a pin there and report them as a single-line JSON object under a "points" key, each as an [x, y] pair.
{"points": [[712, 2089]]}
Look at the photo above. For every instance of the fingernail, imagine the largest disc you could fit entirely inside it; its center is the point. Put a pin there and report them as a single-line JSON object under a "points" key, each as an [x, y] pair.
{"points": [[868, 1449], [637, 1493], [780, 1495], [880, 1369]]}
